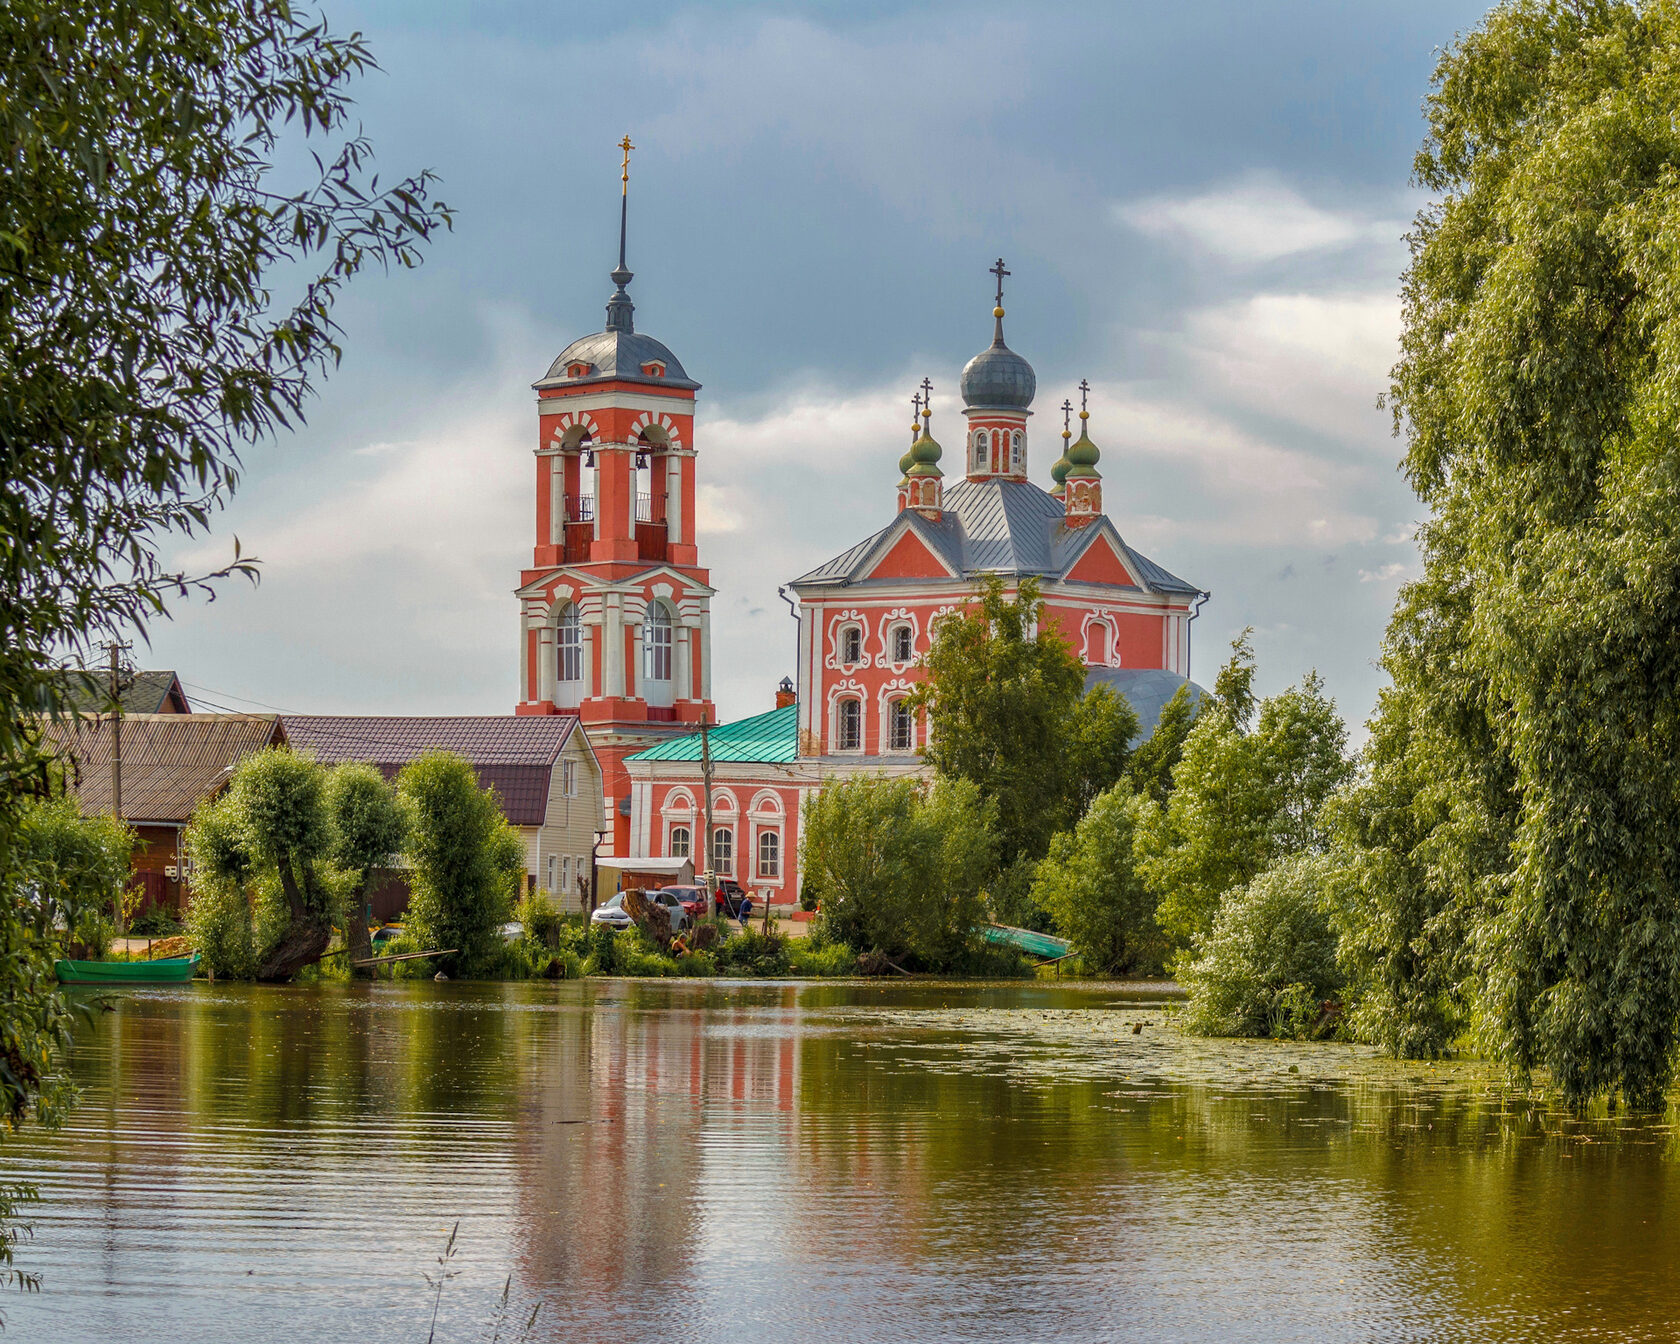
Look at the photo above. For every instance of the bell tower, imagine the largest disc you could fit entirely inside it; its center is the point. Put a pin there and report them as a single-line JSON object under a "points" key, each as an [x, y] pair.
{"points": [[615, 609]]}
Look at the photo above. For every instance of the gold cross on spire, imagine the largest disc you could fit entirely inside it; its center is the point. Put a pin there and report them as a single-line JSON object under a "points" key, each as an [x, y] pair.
{"points": [[927, 399], [626, 146]]}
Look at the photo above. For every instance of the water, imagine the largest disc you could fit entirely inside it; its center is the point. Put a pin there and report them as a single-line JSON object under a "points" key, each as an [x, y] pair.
{"points": [[859, 1162]]}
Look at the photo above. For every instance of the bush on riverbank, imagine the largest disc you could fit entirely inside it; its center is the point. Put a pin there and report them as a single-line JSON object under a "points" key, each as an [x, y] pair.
{"points": [[1269, 965]]}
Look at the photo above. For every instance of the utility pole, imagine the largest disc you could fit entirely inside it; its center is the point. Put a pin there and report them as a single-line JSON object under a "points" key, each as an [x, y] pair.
{"points": [[121, 678], [706, 780]]}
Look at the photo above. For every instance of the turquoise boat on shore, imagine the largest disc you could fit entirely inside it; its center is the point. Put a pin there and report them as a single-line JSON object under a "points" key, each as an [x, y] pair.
{"points": [[163, 971], [1034, 944]]}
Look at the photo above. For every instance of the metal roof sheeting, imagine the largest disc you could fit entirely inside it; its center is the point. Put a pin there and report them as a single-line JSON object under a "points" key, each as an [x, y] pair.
{"points": [[1146, 689], [88, 690], [1010, 528], [170, 762], [513, 754], [771, 738]]}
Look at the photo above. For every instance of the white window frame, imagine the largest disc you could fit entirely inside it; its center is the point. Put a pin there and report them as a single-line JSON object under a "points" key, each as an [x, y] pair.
{"points": [[854, 704], [657, 643], [908, 637], [849, 633], [687, 850], [723, 854], [770, 866], [568, 646]]}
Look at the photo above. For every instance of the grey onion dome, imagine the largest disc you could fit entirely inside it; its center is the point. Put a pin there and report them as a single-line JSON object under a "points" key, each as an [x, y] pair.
{"points": [[998, 377]]}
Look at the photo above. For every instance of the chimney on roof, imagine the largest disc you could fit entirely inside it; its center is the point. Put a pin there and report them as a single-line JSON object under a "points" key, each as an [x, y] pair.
{"points": [[785, 695]]}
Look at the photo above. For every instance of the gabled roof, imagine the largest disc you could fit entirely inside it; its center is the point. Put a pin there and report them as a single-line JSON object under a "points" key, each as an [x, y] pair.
{"points": [[88, 691], [1009, 528], [771, 738], [170, 762], [513, 754]]}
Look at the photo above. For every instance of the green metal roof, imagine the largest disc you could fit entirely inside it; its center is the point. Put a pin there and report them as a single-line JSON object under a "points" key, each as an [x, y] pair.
{"points": [[764, 738]]}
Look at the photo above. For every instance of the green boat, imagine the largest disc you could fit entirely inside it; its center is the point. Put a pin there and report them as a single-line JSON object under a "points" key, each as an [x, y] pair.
{"points": [[163, 971], [1026, 940]]}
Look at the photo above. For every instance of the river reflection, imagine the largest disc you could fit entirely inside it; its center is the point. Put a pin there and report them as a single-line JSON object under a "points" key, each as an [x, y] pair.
{"points": [[679, 1161]]}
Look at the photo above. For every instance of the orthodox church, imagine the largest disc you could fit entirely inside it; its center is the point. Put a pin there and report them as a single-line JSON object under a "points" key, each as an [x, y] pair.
{"points": [[616, 609]]}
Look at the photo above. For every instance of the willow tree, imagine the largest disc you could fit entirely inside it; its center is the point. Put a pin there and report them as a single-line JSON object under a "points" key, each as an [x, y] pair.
{"points": [[1525, 786], [167, 292]]}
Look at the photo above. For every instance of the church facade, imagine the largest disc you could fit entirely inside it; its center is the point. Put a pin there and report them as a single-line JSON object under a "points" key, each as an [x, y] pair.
{"points": [[616, 608]]}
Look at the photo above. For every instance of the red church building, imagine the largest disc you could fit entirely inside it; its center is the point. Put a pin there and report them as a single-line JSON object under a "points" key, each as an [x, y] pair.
{"points": [[866, 620], [616, 610]]}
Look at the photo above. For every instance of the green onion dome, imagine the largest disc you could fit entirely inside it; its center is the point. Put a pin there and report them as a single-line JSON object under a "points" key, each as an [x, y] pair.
{"points": [[924, 456], [1084, 453], [1060, 469]]}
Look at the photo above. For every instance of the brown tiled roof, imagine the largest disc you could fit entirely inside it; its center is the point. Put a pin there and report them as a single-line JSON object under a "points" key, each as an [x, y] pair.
{"points": [[170, 762], [513, 754], [148, 693]]}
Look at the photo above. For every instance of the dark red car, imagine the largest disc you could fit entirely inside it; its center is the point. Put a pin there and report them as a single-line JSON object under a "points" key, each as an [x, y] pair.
{"points": [[693, 900]]}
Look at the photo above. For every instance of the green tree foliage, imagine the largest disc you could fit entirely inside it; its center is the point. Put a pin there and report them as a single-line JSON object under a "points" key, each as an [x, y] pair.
{"points": [[1091, 888], [1269, 961], [270, 829], [80, 865], [1240, 801], [1008, 711], [1154, 759], [369, 828], [143, 228], [143, 340], [466, 864], [219, 914], [899, 868], [1537, 661]]}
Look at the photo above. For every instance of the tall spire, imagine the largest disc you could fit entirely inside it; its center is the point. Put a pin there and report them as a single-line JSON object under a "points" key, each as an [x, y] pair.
{"points": [[621, 313]]}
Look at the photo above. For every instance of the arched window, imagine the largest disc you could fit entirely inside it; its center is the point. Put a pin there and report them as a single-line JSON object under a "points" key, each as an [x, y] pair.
{"points": [[903, 645], [1017, 450], [851, 645], [769, 854], [568, 646], [901, 726], [679, 842], [980, 450], [723, 849], [848, 728], [656, 644]]}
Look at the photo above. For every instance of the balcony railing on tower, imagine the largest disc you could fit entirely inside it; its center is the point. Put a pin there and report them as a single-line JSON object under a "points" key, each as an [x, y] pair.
{"points": [[580, 508], [650, 508]]}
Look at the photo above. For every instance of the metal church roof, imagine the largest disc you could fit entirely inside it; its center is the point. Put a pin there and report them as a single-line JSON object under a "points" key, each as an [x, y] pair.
{"points": [[771, 738], [997, 527], [1147, 689]]}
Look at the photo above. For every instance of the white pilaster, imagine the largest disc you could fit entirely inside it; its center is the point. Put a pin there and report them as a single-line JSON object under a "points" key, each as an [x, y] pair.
{"points": [[681, 667], [556, 500], [612, 660], [546, 671], [706, 655], [673, 500]]}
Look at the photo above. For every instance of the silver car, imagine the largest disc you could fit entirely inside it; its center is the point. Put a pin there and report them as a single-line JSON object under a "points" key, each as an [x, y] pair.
{"points": [[613, 914]]}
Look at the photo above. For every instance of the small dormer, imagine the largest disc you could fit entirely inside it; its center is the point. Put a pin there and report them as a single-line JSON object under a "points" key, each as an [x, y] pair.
{"points": [[653, 369], [579, 370]]}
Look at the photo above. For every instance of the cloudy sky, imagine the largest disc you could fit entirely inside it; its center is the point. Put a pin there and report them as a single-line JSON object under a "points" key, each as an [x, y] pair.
{"points": [[1202, 205]]}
